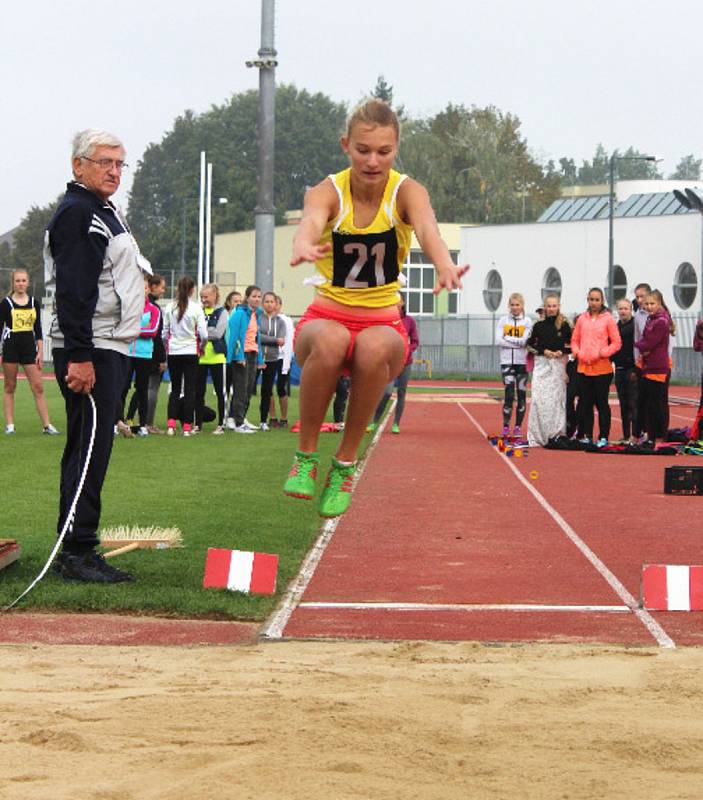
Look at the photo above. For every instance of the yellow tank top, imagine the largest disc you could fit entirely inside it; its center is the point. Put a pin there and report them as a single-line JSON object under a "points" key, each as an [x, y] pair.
{"points": [[363, 265]]}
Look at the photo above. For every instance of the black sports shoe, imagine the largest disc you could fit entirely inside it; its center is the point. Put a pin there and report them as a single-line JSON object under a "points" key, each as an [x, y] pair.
{"points": [[89, 567]]}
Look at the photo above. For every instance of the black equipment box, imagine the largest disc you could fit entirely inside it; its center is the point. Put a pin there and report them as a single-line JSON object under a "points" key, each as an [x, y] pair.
{"points": [[683, 480]]}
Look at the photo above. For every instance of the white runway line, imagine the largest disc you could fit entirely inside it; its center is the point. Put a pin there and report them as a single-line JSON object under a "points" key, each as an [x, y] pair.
{"points": [[464, 607], [275, 625], [655, 629]]}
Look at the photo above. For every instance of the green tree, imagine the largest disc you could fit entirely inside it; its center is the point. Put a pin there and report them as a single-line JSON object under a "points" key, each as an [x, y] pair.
{"points": [[383, 91], [163, 206], [568, 171], [688, 169], [596, 171], [6, 256], [629, 166], [476, 166], [29, 243]]}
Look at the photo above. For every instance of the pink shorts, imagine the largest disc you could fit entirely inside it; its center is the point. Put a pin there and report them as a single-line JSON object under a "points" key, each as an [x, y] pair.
{"points": [[355, 323]]}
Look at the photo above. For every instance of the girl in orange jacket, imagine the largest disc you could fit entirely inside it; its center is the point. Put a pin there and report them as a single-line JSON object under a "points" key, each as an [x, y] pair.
{"points": [[594, 340]]}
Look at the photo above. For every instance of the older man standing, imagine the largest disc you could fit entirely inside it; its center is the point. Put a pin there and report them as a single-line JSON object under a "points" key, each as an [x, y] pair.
{"points": [[94, 264]]}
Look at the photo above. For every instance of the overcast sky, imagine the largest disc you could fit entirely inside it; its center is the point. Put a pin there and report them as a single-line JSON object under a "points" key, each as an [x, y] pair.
{"points": [[620, 72]]}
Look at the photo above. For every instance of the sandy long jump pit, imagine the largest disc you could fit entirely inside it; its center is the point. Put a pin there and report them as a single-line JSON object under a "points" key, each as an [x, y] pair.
{"points": [[350, 720]]}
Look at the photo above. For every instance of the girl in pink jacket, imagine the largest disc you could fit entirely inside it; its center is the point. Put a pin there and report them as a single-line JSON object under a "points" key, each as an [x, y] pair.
{"points": [[594, 340]]}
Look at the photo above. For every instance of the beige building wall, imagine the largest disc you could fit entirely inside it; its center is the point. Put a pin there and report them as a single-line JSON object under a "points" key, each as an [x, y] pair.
{"points": [[235, 267], [234, 264]]}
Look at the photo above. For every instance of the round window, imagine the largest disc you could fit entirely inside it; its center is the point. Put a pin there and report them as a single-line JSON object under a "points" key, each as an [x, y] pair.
{"points": [[685, 285], [619, 283], [551, 284], [493, 290]]}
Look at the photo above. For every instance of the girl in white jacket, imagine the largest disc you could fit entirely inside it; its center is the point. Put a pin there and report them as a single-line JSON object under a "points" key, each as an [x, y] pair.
{"points": [[185, 335], [512, 334]]}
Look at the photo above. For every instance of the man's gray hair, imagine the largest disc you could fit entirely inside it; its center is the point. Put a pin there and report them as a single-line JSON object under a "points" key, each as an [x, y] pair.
{"points": [[85, 141]]}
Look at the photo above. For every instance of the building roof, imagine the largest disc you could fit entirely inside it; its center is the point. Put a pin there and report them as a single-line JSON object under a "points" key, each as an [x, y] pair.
{"points": [[649, 204]]}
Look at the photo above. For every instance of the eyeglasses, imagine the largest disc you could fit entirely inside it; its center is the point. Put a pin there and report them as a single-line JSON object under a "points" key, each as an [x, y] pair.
{"points": [[107, 163]]}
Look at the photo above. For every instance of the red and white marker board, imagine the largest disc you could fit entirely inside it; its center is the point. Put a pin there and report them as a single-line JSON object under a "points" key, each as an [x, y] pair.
{"points": [[672, 587], [9, 552], [240, 571]]}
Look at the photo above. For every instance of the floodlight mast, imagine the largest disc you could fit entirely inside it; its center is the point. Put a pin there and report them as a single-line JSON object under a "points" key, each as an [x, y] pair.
{"points": [[265, 212]]}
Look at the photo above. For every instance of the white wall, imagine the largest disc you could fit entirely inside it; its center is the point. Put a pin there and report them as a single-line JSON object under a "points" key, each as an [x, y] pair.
{"points": [[649, 249]]}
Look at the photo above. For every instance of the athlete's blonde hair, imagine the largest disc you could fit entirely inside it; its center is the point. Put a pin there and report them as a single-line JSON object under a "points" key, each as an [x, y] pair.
{"points": [[517, 296], [561, 319], [12, 277], [374, 112], [214, 287]]}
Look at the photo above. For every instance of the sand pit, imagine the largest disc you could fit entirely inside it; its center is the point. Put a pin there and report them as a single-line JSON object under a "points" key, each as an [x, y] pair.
{"points": [[354, 720]]}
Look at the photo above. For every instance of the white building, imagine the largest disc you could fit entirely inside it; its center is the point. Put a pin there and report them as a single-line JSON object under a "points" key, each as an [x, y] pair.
{"points": [[656, 240]]}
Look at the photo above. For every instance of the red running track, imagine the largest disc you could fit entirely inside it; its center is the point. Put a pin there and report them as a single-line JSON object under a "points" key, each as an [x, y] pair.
{"points": [[445, 541]]}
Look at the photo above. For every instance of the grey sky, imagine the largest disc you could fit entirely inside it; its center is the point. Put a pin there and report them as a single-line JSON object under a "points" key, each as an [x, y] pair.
{"points": [[620, 72]]}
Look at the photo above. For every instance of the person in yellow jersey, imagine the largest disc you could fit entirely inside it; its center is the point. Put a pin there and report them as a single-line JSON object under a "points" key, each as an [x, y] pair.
{"points": [[214, 357], [21, 343], [356, 228]]}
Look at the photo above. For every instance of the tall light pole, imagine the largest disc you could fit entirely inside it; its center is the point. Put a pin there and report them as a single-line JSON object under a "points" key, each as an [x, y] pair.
{"points": [[265, 213], [611, 214]]}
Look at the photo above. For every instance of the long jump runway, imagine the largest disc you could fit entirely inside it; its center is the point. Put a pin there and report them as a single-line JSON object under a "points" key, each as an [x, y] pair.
{"points": [[447, 539]]}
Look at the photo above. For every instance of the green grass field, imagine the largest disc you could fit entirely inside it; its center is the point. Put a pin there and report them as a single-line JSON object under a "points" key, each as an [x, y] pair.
{"points": [[221, 491]]}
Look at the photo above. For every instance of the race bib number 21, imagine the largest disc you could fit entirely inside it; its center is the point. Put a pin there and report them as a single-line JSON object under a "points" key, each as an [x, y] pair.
{"points": [[364, 260]]}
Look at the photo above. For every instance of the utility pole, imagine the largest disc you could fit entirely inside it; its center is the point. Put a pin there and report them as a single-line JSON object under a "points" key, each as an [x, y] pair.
{"points": [[264, 212]]}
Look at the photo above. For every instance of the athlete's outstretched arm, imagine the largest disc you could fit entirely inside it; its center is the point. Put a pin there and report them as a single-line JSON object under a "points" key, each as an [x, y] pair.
{"points": [[319, 207], [415, 208]]}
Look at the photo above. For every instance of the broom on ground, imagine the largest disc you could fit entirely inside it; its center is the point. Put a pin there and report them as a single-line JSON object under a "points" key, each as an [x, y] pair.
{"points": [[124, 539]]}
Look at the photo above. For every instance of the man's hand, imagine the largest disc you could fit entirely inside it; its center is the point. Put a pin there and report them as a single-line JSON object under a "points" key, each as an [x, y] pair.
{"points": [[80, 377]]}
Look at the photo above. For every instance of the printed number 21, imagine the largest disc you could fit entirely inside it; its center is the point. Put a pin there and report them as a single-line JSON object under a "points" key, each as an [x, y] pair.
{"points": [[378, 251]]}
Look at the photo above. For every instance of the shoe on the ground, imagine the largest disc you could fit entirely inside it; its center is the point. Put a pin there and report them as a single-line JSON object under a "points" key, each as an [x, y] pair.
{"points": [[170, 432], [340, 426], [505, 431], [264, 427], [371, 427], [336, 495], [143, 431], [219, 430], [88, 567], [602, 442], [124, 430], [282, 423], [243, 429], [188, 433], [196, 429], [517, 432], [301, 478], [230, 424], [273, 422], [154, 430], [585, 440], [248, 424], [9, 429], [395, 429], [50, 430]]}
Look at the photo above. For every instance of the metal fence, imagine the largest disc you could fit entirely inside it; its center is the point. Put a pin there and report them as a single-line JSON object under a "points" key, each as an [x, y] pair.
{"points": [[466, 346]]}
